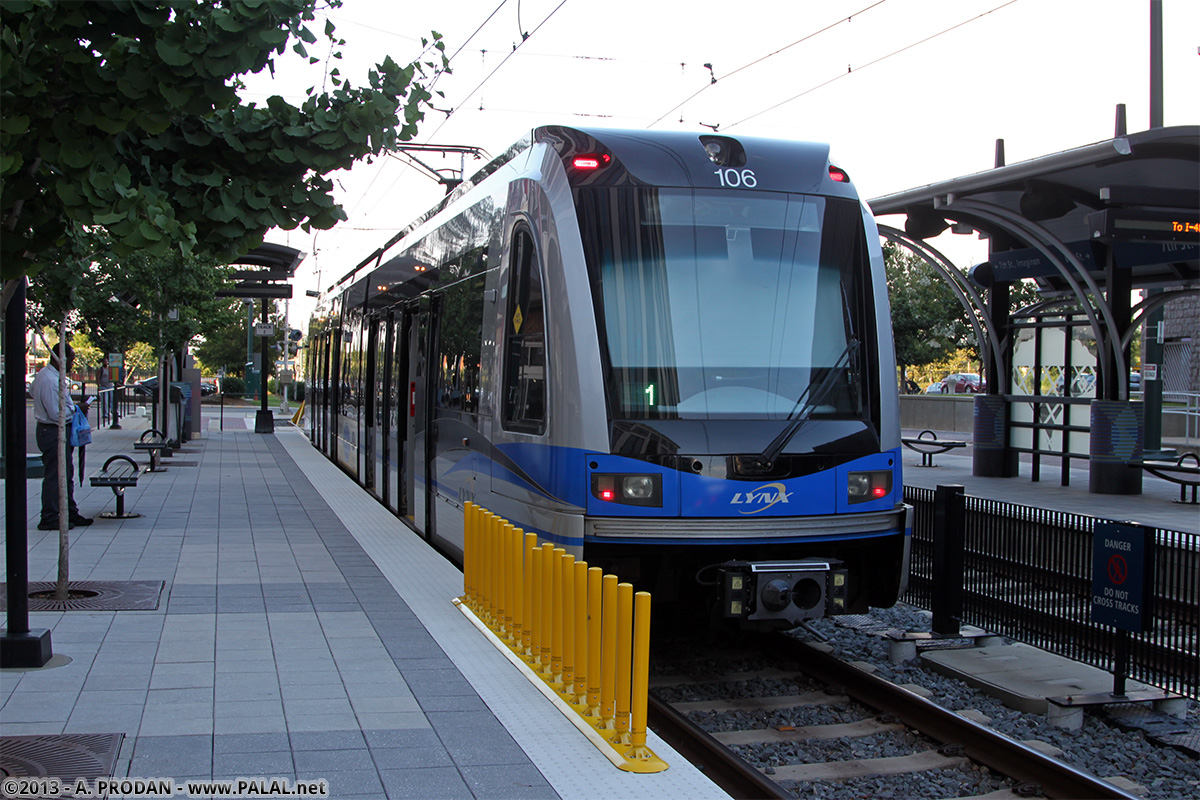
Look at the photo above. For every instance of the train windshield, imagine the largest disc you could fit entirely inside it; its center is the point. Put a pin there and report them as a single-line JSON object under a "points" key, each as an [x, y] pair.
{"points": [[726, 304]]}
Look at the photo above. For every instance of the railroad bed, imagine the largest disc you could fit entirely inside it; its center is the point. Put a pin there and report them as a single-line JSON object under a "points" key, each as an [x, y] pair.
{"points": [[814, 740]]}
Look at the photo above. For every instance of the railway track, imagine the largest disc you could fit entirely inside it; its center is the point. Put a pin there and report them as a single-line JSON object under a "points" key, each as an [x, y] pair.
{"points": [[807, 719]]}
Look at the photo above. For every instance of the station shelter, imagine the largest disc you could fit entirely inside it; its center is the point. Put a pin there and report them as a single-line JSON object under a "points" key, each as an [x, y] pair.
{"points": [[1090, 225]]}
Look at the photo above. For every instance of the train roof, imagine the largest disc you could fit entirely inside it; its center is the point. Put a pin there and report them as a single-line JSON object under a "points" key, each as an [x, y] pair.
{"points": [[659, 158]]}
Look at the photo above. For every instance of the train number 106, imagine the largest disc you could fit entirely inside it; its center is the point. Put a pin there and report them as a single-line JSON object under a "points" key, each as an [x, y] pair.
{"points": [[733, 178]]}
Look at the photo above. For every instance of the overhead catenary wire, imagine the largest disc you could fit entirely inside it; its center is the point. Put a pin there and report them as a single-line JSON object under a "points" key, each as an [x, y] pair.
{"points": [[851, 70], [761, 59]]}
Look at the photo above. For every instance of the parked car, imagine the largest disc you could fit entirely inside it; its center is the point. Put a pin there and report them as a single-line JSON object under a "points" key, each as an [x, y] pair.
{"points": [[1135, 381], [934, 388], [961, 383], [209, 387], [145, 388]]}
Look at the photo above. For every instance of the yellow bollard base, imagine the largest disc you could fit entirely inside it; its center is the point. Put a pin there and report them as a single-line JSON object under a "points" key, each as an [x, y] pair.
{"points": [[627, 757]]}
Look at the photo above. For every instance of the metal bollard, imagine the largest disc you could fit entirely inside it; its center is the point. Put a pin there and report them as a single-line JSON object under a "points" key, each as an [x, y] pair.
{"points": [[579, 692], [531, 551], [595, 578], [641, 676], [547, 605], [538, 617], [556, 616], [624, 660], [469, 553], [608, 651], [567, 564]]}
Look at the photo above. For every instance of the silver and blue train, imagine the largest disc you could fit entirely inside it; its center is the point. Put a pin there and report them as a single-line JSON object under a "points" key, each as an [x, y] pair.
{"points": [[668, 353]]}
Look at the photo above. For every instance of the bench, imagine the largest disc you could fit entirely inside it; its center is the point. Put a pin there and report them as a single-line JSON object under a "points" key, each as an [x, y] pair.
{"points": [[118, 477], [1184, 470], [155, 444], [928, 445]]}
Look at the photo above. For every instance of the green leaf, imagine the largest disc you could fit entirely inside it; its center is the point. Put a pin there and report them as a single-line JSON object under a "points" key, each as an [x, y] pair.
{"points": [[171, 54]]}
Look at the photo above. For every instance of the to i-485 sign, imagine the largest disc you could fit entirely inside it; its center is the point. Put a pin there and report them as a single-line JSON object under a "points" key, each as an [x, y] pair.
{"points": [[1122, 575]]}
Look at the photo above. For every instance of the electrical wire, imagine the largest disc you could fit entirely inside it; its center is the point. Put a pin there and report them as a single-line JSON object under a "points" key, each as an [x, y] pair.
{"points": [[872, 63], [715, 80]]}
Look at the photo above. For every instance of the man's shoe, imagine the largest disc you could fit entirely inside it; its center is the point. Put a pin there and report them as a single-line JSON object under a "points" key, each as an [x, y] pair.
{"points": [[81, 520]]}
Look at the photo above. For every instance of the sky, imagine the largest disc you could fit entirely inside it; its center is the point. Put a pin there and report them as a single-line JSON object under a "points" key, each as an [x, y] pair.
{"points": [[906, 92]]}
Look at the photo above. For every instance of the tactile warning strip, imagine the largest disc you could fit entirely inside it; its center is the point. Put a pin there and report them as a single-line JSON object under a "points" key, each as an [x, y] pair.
{"points": [[100, 596], [66, 756]]}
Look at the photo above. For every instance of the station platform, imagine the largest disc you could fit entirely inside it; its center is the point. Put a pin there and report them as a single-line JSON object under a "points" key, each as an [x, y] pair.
{"points": [[301, 632], [1155, 506]]}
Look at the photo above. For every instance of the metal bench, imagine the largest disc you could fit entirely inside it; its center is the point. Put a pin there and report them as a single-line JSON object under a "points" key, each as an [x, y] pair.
{"points": [[155, 444], [119, 473], [928, 445], [1184, 470]]}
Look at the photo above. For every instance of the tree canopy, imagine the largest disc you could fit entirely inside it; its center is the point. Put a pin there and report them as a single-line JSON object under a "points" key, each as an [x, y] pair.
{"points": [[124, 115], [928, 322]]}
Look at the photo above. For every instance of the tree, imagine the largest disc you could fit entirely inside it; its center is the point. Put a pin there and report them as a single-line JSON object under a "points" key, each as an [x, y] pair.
{"points": [[224, 345], [125, 115], [928, 322]]}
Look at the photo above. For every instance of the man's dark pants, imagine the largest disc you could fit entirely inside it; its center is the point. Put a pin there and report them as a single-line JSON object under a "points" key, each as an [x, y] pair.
{"points": [[47, 442]]}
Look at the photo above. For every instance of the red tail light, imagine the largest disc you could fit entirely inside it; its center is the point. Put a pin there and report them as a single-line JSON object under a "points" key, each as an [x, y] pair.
{"points": [[838, 175], [589, 161]]}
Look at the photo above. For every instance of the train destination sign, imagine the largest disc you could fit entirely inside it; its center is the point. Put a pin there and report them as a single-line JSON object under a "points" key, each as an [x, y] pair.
{"points": [[1145, 226], [1122, 575]]}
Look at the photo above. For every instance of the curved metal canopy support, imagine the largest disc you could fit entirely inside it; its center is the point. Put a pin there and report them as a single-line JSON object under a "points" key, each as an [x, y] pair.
{"points": [[1142, 311], [1047, 243], [958, 284]]}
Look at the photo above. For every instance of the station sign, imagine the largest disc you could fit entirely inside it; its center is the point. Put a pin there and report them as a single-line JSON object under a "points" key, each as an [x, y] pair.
{"points": [[1122, 575], [264, 329]]}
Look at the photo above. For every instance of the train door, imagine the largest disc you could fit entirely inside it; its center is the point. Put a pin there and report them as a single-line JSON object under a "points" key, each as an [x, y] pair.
{"points": [[418, 318], [397, 496], [385, 402], [369, 421]]}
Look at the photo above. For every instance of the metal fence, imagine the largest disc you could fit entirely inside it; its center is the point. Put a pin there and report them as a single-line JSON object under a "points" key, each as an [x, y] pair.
{"points": [[1027, 574]]}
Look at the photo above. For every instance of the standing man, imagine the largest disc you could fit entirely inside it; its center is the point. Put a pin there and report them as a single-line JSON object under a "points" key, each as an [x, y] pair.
{"points": [[104, 390], [46, 402]]}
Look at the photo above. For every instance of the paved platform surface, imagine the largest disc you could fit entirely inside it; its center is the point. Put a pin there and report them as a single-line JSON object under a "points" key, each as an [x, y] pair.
{"points": [[302, 632], [1154, 506]]}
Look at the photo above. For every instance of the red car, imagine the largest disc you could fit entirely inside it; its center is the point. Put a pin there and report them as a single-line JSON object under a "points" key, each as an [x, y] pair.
{"points": [[962, 383]]}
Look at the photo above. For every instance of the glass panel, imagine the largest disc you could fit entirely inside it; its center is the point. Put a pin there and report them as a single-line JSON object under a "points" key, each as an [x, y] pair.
{"points": [[725, 304]]}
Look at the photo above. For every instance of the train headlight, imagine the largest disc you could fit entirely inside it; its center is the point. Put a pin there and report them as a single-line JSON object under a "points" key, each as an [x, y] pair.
{"points": [[630, 490], [863, 487]]}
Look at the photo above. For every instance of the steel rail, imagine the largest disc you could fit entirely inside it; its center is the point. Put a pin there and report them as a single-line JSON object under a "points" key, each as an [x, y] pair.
{"points": [[720, 764], [1007, 756]]}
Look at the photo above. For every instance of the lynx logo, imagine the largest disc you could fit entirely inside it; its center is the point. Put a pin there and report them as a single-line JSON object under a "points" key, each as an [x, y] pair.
{"points": [[764, 497]]}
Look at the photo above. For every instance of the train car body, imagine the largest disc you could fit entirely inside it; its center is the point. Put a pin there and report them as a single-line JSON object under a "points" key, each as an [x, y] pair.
{"points": [[668, 353]]}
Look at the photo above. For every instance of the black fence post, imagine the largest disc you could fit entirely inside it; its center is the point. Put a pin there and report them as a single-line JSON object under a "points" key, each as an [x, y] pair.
{"points": [[949, 535]]}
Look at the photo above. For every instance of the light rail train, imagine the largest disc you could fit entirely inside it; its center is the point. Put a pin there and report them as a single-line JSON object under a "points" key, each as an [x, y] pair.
{"points": [[668, 353]]}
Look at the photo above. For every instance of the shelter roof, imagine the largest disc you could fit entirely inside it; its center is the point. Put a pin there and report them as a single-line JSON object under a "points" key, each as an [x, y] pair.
{"points": [[1139, 193]]}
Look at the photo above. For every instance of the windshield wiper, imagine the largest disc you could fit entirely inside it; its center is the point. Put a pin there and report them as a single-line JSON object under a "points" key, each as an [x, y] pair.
{"points": [[797, 420]]}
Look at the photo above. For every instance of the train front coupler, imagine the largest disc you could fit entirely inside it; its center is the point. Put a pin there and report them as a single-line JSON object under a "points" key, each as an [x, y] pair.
{"points": [[782, 591]]}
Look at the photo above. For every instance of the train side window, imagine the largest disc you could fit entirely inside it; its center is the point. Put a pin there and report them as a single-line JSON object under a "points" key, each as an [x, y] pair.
{"points": [[525, 340]]}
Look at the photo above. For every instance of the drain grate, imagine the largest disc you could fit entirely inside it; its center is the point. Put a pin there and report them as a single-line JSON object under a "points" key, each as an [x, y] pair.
{"points": [[66, 756], [101, 596]]}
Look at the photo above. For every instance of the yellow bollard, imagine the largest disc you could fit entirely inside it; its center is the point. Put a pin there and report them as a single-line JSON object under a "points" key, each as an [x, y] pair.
{"points": [[568, 625], [468, 524], [516, 583], [529, 581], [624, 660], [641, 674], [537, 622], [595, 578], [579, 692], [556, 617], [547, 594], [485, 567], [494, 571], [509, 594], [608, 650]]}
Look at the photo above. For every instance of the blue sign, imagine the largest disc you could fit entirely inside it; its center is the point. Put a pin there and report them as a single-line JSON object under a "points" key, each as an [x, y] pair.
{"points": [[1011, 265], [1122, 575]]}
